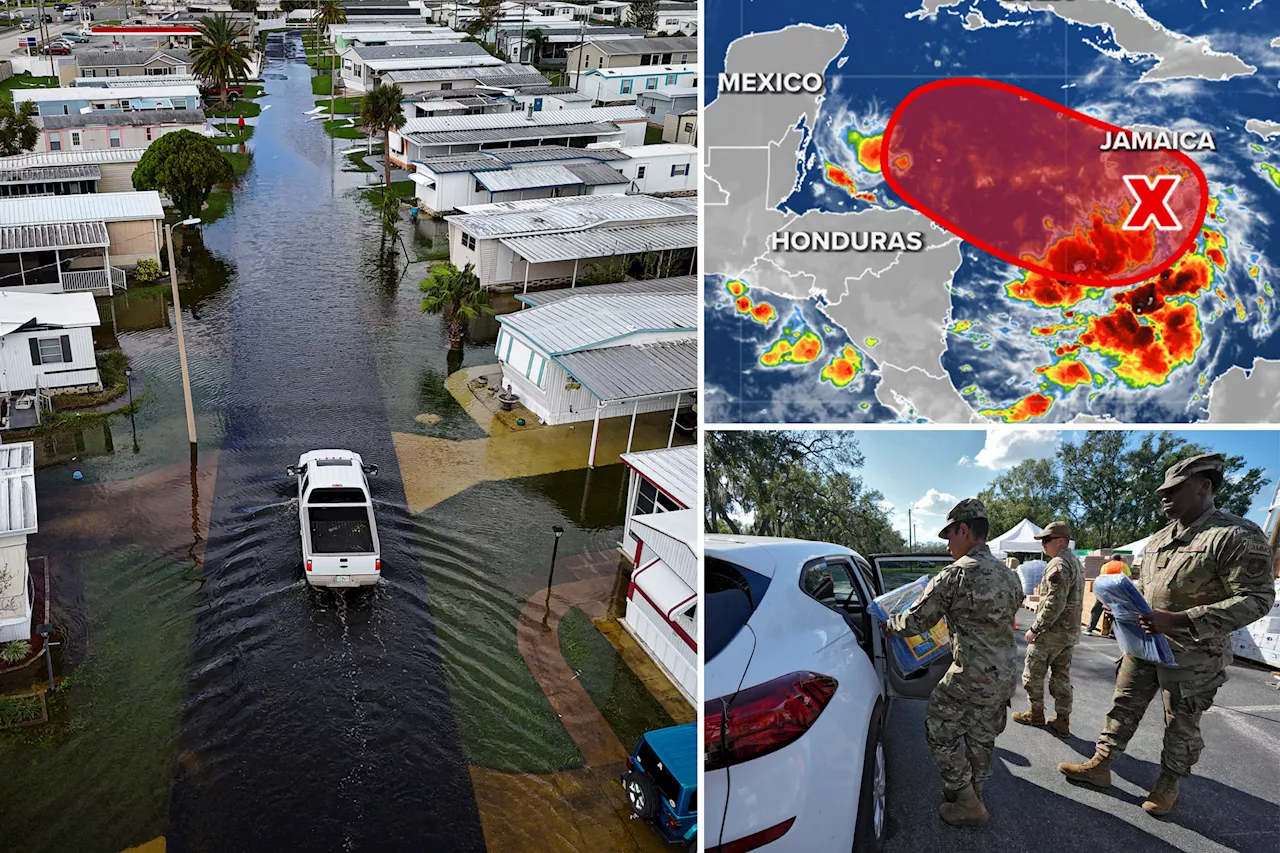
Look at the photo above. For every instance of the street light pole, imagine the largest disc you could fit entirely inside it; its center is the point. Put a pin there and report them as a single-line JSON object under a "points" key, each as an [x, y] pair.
{"points": [[133, 425], [558, 531], [45, 630], [177, 323]]}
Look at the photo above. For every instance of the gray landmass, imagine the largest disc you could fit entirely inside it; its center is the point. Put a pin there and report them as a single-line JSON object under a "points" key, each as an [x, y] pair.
{"points": [[731, 232], [1265, 129], [758, 119], [782, 168], [915, 394], [1247, 397]]}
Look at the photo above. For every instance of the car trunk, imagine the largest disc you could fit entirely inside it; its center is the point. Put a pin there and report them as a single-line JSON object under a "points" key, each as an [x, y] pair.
{"points": [[340, 529]]}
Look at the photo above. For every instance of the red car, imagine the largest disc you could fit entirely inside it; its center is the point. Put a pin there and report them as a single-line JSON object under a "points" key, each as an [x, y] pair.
{"points": [[57, 50], [214, 93]]}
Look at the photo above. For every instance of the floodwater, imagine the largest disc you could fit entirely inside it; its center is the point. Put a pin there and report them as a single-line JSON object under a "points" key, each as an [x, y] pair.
{"points": [[215, 699]]}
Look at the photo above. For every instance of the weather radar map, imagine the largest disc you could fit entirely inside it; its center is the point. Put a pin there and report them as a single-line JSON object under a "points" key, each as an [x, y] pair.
{"points": [[981, 211]]}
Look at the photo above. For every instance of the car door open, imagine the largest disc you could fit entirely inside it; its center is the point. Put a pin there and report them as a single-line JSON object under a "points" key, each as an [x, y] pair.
{"points": [[890, 571]]}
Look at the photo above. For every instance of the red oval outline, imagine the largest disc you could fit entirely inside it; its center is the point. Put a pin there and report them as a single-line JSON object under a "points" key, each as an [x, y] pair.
{"points": [[1070, 113]]}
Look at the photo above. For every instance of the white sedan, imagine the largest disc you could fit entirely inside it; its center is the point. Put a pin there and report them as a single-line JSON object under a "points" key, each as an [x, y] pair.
{"points": [[794, 741]]}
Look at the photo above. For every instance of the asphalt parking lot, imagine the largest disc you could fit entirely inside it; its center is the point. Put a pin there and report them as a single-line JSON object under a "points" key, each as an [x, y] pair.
{"points": [[1232, 802]]}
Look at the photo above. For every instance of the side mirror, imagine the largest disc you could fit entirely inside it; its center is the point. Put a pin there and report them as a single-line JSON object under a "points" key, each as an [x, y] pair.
{"points": [[292, 470], [371, 470]]}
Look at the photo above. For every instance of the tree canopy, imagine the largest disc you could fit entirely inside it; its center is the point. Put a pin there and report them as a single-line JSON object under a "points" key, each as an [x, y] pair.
{"points": [[1105, 486], [456, 294], [794, 483], [18, 133], [186, 167], [643, 14], [381, 111], [217, 57]]}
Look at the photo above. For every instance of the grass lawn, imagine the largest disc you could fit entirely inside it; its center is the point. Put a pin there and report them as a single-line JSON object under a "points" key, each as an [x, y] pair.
{"points": [[628, 707], [340, 129], [357, 159], [652, 135], [239, 162], [111, 367], [217, 207], [115, 719], [342, 105], [242, 107], [252, 90], [323, 63], [237, 136], [320, 84], [399, 189], [25, 81]]}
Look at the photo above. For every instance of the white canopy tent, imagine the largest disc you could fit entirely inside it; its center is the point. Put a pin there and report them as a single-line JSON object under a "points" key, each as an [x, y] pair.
{"points": [[1134, 548], [1021, 539]]}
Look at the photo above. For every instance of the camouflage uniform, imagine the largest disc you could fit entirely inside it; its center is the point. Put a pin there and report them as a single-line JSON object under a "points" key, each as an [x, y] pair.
{"points": [[1218, 571], [979, 597], [1057, 628]]}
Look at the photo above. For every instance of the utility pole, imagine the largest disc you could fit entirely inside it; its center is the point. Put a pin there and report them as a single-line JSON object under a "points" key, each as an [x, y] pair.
{"points": [[911, 529], [582, 40]]}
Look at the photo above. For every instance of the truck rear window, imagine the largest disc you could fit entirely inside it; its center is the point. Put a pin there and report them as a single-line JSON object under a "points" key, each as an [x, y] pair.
{"points": [[337, 496], [667, 784], [340, 530]]}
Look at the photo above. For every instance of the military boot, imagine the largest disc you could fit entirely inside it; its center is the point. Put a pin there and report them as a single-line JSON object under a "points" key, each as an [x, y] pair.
{"points": [[1033, 717], [1061, 725], [1096, 771], [1163, 795], [967, 810], [950, 796]]}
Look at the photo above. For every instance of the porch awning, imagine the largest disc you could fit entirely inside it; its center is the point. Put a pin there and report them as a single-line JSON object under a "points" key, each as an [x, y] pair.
{"points": [[604, 242], [616, 374], [664, 588], [59, 235]]}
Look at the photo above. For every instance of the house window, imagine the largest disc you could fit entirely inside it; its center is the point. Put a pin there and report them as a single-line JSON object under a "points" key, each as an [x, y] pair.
{"points": [[75, 139], [682, 169], [671, 79], [480, 189], [113, 72], [649, 500], [688, 127], [684, 59], [90, 72], [114, 133], [148, 134], [52, 351], [640, 173], [625, 88], [55, 142], [468, 240], [650, 83], [445, 87]]}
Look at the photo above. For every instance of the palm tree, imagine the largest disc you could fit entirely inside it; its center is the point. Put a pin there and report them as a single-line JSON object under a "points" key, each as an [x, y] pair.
{"points": [[216, 57], [382, 112], [332, 12], [456, 294], [539, 40]]}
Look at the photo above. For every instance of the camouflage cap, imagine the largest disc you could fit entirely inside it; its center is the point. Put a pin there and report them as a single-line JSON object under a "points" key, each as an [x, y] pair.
{"points": [[967, 510], [1055, 528], [1179, 473]]}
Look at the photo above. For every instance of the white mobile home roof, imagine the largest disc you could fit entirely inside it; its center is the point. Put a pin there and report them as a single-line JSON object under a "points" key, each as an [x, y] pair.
{"points": [[628, 372], [37, 159], [643, 46], [97, 93], [541, 118], [109, 207], [677, 284], [571, 325], [668, 149], [17, 489], [493, 74], [552, 215], [58, 235], [674, 470], [604, 242], [645, 71], [681, 525], [167, 81], [534, 177], [67, 310]]}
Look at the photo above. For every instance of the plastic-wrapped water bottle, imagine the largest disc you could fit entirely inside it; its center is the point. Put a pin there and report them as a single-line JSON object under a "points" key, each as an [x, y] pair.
{"points": [[1031, 573]]}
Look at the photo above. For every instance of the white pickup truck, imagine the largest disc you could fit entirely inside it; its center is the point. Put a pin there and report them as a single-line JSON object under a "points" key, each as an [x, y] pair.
{"points": [[339, 538]]}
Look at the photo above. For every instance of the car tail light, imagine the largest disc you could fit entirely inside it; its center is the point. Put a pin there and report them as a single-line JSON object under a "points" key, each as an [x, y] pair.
{"points": [[763, 719], [672, 822], [308, 565], [377, 565], [755, 839], [631, 763]]}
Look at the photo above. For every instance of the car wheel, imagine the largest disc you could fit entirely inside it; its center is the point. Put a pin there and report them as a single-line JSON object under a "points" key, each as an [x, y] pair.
{"points": [[642, 795], [873, 812]]}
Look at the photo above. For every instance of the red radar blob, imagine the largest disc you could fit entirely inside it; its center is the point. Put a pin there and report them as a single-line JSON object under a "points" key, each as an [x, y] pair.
{"points": [[1026, 180]]}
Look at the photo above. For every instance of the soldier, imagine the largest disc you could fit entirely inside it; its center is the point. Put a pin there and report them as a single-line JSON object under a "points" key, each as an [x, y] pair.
{"points": [[1055, 632], [979, 598], [1204, 575]]}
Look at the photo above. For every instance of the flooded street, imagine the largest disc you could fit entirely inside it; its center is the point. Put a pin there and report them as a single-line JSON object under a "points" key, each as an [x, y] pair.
{"points": [[213, 698]]}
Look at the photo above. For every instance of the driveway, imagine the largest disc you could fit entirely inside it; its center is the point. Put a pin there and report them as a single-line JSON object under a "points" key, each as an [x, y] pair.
{"points": [[1231, 803]]}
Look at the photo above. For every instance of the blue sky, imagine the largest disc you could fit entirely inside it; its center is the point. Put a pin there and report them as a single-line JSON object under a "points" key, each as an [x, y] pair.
{"points": [[929, 469]]}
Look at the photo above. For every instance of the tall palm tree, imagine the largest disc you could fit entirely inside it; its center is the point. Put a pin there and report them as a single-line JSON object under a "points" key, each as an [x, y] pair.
{"points": [[332, 12], [539, 40], [456, 294], [216, 57], [382, 112]]}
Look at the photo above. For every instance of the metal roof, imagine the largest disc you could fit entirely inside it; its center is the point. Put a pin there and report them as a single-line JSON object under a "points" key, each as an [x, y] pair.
{"points": [[35, 159], [552, 215], [429, 50], [64, 310], [134, 80], [477, 161], [509, 134], [641, 46], [571, 325], [508, 73], [133, 118], [98, 93], [108, 207], [677, 284], [529, 178], [646, 71], [673, 469], [541, 118], [674, 528], [43, 174], [60, 235], [92, 58], [549, 153], [18, 492], [670, 93], [597, 174], [549, 89], [604, 242], [625, 373], [660, 149]]}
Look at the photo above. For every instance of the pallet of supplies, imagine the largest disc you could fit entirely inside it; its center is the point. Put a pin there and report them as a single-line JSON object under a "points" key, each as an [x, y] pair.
{"points": [[920, 650], [1127, 604]]}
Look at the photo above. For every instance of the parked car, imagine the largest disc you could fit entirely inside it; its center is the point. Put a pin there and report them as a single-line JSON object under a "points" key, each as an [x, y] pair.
{"points": [[75, 38], [214, 93], [802, 679], [70, 14], [661, 783], [27, 25], [335, 510], [57, 49], [47, 18]]}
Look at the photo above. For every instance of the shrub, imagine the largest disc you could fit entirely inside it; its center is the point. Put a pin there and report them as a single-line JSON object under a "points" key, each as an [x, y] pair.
{"points": [[15, 651], [18, 709], [148, 270]]}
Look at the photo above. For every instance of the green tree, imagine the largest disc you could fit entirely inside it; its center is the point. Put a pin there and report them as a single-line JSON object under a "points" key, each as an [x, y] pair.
{"points": [[487, 14], [18, 133], [217, 57], [1030, 490], [643, 14], [456, 294], [288, 6], [539, 41], [244, 6], [381, 111], [186, 167]]}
